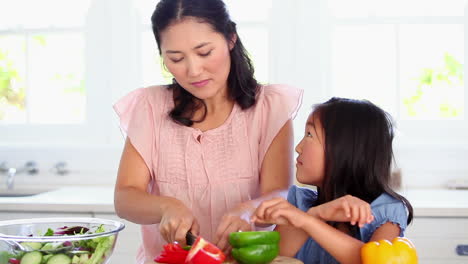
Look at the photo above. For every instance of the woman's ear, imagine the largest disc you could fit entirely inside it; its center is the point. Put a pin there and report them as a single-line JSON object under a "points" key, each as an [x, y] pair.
{"points": [[233, 41]]}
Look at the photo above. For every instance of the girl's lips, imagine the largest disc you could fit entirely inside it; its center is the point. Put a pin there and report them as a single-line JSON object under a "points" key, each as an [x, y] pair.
{"points": [[200, 83], [298, 162]]}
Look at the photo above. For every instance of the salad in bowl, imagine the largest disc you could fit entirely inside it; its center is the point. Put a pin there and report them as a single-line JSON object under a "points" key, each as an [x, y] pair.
{"points": [[58, 240]]}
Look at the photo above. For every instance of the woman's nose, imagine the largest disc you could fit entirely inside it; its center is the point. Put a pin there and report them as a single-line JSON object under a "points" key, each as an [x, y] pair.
{"points": [[194, 67]]}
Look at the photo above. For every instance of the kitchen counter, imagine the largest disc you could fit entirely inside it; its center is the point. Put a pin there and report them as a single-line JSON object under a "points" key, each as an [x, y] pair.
{"points": [[426, 202], [64, 199], [438, 202]]}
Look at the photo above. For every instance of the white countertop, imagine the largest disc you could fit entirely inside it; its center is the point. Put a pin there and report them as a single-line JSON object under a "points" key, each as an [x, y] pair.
{"points": [[438, 202], [65, 199], [426, 202]]}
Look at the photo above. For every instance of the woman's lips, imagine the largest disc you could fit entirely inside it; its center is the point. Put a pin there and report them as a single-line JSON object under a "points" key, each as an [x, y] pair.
{"points": [[200, 83], [298, 162]]}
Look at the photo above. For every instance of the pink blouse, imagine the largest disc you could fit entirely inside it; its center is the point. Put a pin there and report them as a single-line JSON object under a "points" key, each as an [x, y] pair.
{"points": [[210, 175]]}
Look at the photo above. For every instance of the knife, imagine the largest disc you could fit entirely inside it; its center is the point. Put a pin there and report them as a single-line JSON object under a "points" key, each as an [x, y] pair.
{"points": [[190, 238]]}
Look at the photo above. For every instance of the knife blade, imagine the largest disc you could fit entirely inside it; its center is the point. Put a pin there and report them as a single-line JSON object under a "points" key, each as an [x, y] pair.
{"points": [[190, 238]]}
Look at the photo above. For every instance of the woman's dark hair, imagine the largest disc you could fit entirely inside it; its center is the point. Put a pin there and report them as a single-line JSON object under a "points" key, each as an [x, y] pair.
{"points": [[358, 151], [242, 86]]}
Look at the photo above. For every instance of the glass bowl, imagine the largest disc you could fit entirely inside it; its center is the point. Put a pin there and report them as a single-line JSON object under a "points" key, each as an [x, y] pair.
{"points": [[58, 240]]}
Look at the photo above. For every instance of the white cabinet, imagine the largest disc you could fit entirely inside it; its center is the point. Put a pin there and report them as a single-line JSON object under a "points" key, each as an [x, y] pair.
{"points": [[128, 241], [436, 239]]}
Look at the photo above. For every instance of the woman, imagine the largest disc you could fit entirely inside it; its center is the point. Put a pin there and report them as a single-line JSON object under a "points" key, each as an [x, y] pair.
{"points": [[199, 150]]}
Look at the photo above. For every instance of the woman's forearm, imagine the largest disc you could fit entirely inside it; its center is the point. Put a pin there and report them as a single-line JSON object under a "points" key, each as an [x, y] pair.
{"points": [[140, 207]]}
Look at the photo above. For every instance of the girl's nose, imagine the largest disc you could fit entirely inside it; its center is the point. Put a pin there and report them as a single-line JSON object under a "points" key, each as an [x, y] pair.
{"points": [[299, 147]]}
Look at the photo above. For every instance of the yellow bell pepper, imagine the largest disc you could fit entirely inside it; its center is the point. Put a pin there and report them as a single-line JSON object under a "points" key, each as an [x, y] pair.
{"points": [[400, 251]]}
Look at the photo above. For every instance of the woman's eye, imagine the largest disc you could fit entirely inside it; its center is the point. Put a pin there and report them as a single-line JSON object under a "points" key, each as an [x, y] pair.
{"points": [[205, 54], [308, 134], [176, 60]]}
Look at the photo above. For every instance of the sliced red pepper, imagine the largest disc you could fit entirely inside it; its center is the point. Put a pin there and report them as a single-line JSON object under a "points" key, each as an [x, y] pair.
{"points": [[172, 254], [14, 261], [203, 252]]}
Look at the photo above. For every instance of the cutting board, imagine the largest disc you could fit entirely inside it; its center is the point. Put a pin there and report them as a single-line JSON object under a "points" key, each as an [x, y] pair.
{"points": [[277, 260]]}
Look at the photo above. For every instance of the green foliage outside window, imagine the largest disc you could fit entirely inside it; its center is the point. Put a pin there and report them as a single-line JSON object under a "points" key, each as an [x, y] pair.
{"points": [[447, 81], [8, 94]]}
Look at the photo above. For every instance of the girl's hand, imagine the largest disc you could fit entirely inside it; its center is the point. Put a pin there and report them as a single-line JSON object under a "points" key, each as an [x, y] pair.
{"points": [[232, 221], [176, 221], [280, 212], [344, 209]]}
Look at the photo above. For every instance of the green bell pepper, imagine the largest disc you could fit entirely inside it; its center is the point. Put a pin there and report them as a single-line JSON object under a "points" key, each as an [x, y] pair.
{"points": [[258, 247]]}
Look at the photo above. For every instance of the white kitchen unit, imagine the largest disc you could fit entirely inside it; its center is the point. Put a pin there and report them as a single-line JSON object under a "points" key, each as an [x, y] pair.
{"points": [[437, 238], [440, 223]]}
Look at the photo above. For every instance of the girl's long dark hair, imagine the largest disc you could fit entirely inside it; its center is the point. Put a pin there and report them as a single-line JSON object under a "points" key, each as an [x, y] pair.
{"points": [[242, 86], [358, 151]]}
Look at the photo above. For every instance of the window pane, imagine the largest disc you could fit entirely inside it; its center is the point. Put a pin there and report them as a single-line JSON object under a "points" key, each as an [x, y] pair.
{"points": [[349, 9], [43, 13], [153, 72], [420, 7], [366, 8], [363, 64], [255, 40], [57, 90], [145, 9], [239, 10], [12, 79], [253, 36], [432, 71], [246, 10]]}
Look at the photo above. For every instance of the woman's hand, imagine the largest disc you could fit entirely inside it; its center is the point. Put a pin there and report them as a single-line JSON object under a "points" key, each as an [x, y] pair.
{"points": [[344, 209], [233, 221], [176, 221], [280, 212]]}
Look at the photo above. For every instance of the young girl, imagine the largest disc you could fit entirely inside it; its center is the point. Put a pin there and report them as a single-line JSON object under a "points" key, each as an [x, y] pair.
{"points": [[347, 153]]}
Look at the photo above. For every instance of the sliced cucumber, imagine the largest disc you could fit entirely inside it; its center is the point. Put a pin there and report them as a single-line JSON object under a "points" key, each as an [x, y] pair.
{"points": [[45, 258], [84, 259], [75, 259], [32, 245], [34, 257], [51, 246], [59, 259]]}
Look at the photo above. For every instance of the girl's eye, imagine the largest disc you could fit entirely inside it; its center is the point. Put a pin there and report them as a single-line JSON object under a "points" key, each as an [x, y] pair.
{"points": [[308, 134], [205, 54]]}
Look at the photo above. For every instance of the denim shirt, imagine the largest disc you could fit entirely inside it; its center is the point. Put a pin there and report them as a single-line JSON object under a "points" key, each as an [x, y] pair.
{"points": [[385, 209]]}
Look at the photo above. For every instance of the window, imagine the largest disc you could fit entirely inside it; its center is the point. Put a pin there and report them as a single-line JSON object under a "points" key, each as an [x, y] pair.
{"points": [[252, 26], [409, 56], [42, 63], [64, 63]]}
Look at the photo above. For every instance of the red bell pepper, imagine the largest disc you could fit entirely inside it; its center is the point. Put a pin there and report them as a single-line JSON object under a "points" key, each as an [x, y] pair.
{"points": [[13, 261], [172, 254], [203, 252]]}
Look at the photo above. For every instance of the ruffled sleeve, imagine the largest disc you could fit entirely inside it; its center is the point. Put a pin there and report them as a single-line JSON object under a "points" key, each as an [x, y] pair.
{"points": [[302, 198], [385, 209], [277, 104], [137, 123]]}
